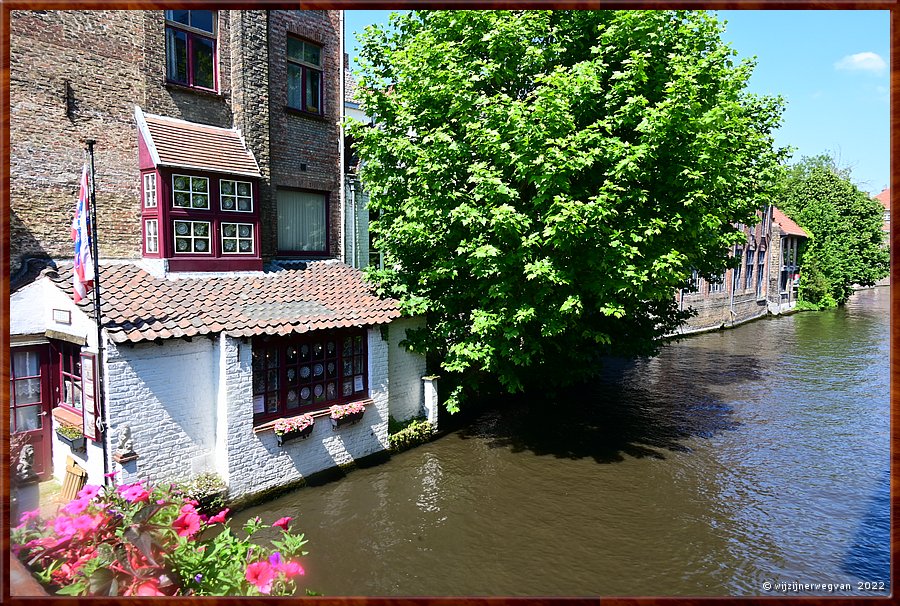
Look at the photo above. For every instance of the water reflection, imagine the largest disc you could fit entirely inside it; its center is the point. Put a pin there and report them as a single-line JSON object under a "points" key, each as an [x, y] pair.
{"points": [[752, 455]]}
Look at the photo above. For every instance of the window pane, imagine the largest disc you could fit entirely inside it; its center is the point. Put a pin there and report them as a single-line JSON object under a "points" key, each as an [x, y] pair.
{"points": [[28, 391], [26, 364], [176, 55], [294, 74], [301, 221], [201, 20], [312, 90], [28, 418], [202, 61], [312, 54], [178, 16], [295, 49]]}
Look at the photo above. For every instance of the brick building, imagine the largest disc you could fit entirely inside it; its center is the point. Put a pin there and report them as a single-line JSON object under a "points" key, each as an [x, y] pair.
{"points": [[764, 281], [219, 195]]}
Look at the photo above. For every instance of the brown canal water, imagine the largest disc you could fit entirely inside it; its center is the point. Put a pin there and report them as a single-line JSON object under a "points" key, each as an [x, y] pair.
{"points": [[734, 459]]}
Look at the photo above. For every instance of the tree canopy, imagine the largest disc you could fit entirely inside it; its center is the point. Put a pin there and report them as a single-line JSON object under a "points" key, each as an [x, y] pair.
{"points": [[847, 246], [546, 180]]}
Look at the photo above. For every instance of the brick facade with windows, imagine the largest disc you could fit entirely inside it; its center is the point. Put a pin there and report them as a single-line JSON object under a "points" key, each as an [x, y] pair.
{"points": [[121, 60]]}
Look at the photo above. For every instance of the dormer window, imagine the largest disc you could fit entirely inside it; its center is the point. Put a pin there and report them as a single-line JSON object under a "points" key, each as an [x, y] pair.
{"points": [[191, 48]]}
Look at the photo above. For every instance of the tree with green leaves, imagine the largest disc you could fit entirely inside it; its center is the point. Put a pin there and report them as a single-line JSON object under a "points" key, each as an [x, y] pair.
{"points": [[546, 180], [847, 245]]}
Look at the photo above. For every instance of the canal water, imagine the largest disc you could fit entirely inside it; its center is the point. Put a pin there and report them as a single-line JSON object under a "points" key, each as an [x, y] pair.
{"points": [[734, 459]]}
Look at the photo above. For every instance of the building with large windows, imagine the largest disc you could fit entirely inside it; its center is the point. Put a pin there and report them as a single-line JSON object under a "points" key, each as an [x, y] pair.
{"points": [[226, 303]]}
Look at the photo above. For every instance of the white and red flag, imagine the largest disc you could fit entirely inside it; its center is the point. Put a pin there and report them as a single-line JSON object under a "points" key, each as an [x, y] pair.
{"points": [[83, 278]]}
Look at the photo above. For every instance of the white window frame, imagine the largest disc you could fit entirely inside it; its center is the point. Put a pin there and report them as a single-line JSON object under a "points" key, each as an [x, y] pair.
{"points": [[154, 238], [150, 190], [192, 236], [237, 238], [237, 198], [190, 192]]}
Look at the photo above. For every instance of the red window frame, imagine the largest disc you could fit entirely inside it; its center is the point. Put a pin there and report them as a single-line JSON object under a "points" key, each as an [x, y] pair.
{"points": [[304, 68], [191, 34], [276, 373], [71, 353]]}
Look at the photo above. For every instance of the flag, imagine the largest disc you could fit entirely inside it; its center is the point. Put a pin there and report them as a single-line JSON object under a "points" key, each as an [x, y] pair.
{"points": [[83, 277]]}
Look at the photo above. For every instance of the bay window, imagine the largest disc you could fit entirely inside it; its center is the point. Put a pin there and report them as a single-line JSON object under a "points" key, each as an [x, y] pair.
{"points": [[307, 372], [304, 76], [191, 48]]}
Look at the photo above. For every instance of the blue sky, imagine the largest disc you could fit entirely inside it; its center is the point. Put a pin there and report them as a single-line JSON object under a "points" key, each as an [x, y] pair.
{"points": [[830, 66]]}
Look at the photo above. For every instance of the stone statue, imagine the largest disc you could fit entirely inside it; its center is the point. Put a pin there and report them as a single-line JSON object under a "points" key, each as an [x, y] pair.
{"points": [[25, 465], [126, 443]]}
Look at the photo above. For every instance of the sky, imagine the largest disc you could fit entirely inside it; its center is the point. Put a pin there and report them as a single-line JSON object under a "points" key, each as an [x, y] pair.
{"points": [[831, 67]]}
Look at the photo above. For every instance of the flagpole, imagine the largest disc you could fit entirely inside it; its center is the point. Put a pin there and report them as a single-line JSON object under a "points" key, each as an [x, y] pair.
{"points": [[99, 392]]}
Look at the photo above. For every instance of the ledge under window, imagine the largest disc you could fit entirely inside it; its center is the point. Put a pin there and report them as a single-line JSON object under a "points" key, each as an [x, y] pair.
{"points": [[193, 89], [69, 417], [270, 425]]}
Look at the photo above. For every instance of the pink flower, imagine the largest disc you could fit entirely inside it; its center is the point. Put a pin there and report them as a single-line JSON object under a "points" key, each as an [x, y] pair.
{"points": [[188, 508], [27, 516], [291, 569], [87, 523], [111, 474], [261, 575], [89, 491], [283, 523], [63, 526], [160, 501], [187, 524], [135, 493], [74, 507], [219, 517], [150, 587]]}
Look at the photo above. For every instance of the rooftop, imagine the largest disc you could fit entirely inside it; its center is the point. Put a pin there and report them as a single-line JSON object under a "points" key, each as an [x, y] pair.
{"points": [[138, 306], [787, 225]]}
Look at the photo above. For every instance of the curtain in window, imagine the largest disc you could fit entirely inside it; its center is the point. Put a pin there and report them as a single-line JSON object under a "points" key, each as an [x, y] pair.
{"points": [[301, 221]]}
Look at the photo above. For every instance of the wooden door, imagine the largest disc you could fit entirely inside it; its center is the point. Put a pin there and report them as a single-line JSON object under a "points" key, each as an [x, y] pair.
{"points": [[29, 403]]}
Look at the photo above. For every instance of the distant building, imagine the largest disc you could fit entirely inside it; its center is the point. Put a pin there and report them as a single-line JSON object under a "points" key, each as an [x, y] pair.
{"points": [[885, 198], [765, 280]]}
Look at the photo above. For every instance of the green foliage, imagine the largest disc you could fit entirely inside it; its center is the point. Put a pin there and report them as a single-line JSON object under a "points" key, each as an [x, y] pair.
{"points": [[847, 244], [142, 540], [408, 433], [206, 488], [546, 180]]}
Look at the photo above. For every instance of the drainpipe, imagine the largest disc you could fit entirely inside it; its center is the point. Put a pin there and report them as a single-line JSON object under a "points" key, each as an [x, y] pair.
{"points": [[355, 240], [733, 285], [342, 160]]}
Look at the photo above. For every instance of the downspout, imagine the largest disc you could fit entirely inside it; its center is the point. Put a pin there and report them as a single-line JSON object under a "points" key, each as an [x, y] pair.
{"points": [[342, 161], [733, 284], [355, 224]]}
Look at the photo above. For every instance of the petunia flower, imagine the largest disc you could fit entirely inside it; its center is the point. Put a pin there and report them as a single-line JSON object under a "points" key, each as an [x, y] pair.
{"points": [[27, 516], [261, 575], [135, 493], [187, 524], [282, 523], [89, 491], [74, 507], [291, 569], [219, 517]]}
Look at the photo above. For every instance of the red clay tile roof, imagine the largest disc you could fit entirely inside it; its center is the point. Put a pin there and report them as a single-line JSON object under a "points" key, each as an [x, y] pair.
{"points": [[787, 225], [885, 198], [138, 306], [189, 145]]}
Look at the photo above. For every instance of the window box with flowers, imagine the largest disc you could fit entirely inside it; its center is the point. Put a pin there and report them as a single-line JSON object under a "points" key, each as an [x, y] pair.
{"points": [[346, 414], [294, 428], [71, 435]]}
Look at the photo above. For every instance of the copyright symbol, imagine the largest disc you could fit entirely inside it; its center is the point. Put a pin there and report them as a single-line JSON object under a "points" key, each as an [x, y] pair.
{"points": [[767, 586]]}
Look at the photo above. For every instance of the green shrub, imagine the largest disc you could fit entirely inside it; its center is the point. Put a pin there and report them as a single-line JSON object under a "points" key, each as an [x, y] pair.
{"points": [[208, 489], [415, 431]]}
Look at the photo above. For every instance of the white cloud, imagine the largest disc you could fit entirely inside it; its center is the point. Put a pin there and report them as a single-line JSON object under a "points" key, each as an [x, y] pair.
{"points": [[866, 62]]}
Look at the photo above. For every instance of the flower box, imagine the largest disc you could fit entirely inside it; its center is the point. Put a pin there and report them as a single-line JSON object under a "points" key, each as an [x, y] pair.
{"points": [[347, 419], [74, 443], [300, 434]]}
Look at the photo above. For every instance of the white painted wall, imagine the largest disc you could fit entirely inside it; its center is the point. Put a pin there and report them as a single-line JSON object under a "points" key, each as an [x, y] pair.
{"points": [[254, 462], [168, 395], [31, 313], [406, 370]]}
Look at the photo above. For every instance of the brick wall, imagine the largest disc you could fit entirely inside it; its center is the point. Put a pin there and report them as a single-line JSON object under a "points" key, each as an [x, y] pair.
{"points": [[255, 462], [297, 138], [95, 59], [105, 63], [406, 370], [168, 396]]}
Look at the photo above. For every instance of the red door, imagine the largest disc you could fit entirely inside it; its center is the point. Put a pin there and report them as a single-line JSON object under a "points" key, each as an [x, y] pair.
{"points": [[29, 403]]}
